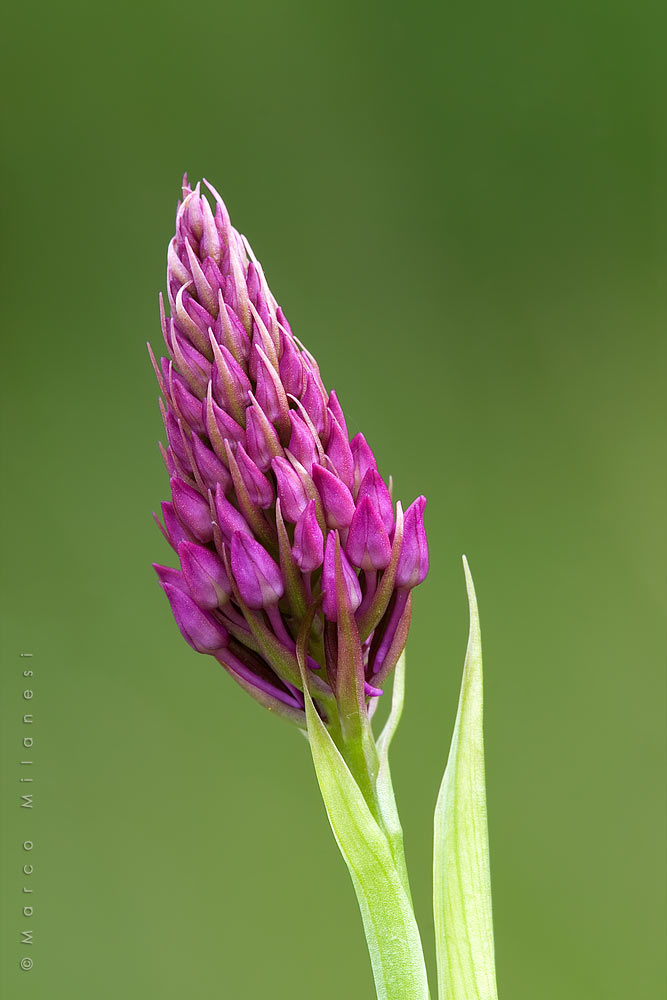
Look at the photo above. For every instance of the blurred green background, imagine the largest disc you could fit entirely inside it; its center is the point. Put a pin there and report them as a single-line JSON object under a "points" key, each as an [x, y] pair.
{"points": [[456, 205]]}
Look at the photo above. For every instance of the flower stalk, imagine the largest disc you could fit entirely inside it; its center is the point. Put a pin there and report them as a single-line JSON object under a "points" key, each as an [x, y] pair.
{"points": [[372, 848]]}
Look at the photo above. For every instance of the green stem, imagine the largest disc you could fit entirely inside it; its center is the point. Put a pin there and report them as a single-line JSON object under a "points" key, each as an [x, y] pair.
{"points": [[359, 809], [374, 780]]}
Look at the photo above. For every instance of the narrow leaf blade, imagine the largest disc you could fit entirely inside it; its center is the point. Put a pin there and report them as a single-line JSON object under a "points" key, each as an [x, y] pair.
{"points": [[461, 875], [385, 789]]}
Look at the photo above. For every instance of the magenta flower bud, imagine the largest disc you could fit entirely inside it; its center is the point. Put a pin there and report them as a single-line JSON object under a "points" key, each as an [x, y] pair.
{"points": [[188, 406], [413, 561], [192, 509], [293, 496], [330, 604], [230, 332], [199, 628], [282, 320], [205, 575], [215, 280], [338, 451], [219, 425], [253, 284], [363, 459], [230, 383], [270, 393], [174, 531], [308, 548], [211, 243], [178, 272], [229, 519], [206, 292], [174, 577], [193, 320], [175, 438], [374, 487], [191, 217], [314, 401], [259, 488], [190, 338], [256, 574], [191, 364], [262, 441], [367, 543], [302, 443], [291, 366], [209, 466], [336, 411], [336, 498]]}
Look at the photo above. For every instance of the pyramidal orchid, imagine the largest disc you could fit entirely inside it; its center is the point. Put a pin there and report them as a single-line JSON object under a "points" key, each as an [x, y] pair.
{"points": [[295, 565]]}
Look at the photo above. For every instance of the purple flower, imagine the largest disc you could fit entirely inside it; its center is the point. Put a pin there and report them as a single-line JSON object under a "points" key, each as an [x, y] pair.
{"points": [[413, 561], [198, 627], [256, 574], [337, 592], [308, 547], [336, 498], [291, 489], [277, 517], [368, 542], [205, 576]]}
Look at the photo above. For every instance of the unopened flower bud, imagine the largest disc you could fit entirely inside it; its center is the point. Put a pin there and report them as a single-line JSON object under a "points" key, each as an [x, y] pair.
{"points": [[367, 543], [260, 490], [292, 493], [413, 561], [192, 509], [374, 487], [352, 594], [229, 519], [257, 575], [198, 627], [363, 459], [206, 577], [308, 548], [336, 498]]}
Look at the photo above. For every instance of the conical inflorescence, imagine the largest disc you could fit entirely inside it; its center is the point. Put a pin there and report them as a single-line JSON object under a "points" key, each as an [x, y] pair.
{"points": [[284, 529]]}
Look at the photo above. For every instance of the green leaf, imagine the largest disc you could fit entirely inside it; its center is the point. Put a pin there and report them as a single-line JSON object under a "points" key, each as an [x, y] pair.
{"points": [[385, 789], [461, 879], [389, 922]]}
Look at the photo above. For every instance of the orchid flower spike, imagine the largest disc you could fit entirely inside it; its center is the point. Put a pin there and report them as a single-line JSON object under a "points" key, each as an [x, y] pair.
{"points": [[268, 494]]}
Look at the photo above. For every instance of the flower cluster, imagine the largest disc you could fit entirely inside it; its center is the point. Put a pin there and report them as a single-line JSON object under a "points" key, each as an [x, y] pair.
{"points": [[284, 528]]}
